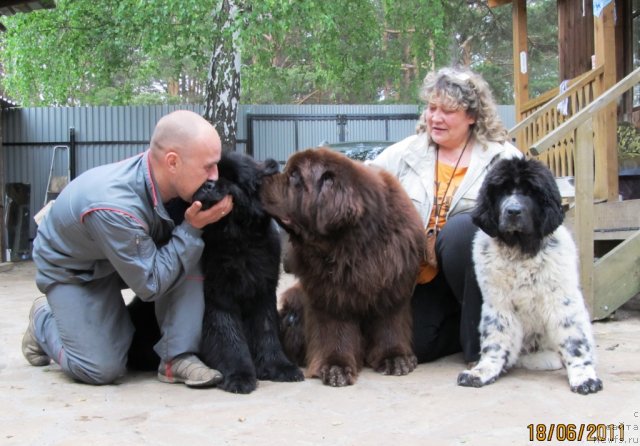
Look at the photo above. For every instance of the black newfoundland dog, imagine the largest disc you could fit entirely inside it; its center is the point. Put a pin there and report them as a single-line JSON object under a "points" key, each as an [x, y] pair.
{"points": [[241, 262], [533, 314], [356, 241]]}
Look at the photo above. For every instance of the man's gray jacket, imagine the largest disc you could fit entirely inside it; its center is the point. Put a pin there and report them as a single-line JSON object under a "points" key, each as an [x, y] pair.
{"points": [[111, 220]]}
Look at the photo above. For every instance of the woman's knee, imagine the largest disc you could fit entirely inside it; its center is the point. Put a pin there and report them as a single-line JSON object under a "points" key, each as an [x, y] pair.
{"points": [[457, 234]]}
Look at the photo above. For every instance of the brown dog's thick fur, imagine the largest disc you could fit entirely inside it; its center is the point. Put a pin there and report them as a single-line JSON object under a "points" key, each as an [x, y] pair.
{"points": [[355, 245]]}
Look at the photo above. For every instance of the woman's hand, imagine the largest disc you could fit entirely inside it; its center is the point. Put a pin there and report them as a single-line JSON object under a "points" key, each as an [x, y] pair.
{"points": [[199, 218]]}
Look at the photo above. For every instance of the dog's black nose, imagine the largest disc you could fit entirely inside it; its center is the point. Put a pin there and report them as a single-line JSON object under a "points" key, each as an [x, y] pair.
{"points": [[208, 186], [513, 210], [206, 194]]}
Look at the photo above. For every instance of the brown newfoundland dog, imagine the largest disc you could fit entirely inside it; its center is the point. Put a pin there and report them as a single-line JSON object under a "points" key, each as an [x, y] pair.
{"points": [[355, 243]]}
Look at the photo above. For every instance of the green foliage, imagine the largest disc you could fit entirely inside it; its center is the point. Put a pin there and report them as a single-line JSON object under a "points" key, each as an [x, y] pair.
{"points": [[311, 47], [628, 140], [329, 51], [116, 52], [483, 39], [542, 17], [128, 51], [418, 46], [107, 52]]}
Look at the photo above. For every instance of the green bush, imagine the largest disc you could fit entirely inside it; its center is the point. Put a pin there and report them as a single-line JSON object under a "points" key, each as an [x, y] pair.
{"points": [[628, 140]]}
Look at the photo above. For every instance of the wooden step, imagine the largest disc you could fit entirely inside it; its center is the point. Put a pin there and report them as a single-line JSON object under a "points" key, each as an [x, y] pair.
{"points": [[612, 220], [616, 277]]}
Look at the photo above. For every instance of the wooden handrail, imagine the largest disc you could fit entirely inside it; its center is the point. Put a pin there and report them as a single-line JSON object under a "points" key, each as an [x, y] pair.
{"points": [[540, 100], [578, 83], [586, 113]]}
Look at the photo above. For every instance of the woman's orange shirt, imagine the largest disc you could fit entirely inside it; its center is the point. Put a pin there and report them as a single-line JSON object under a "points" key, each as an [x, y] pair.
{"points": [[445, 173]]}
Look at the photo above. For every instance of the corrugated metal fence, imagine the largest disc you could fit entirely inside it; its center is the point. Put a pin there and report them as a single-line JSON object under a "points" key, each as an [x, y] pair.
{"points": [[100, 135]]}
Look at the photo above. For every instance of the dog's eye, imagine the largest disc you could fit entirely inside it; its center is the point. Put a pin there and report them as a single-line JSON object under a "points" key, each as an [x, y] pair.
{"points": [[326, 176], [295, 179]]}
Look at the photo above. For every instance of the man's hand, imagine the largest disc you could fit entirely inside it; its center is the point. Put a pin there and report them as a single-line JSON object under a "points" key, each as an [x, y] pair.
{"points": [[199, 219]]}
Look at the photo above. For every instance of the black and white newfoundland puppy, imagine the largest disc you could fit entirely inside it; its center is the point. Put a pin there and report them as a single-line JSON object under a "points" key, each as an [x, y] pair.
{"points": [[241, 266], [533, 314]]}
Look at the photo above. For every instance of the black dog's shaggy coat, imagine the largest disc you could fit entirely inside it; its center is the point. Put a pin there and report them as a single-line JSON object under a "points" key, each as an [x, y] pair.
{"points": [[241, 262], [533, 313]]}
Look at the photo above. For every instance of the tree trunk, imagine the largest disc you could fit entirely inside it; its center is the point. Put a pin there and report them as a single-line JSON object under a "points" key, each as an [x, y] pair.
{"points": [[223, 80]]}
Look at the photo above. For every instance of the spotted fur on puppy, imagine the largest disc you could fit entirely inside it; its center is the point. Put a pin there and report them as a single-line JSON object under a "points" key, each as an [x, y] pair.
{"points": [[526, 264]]}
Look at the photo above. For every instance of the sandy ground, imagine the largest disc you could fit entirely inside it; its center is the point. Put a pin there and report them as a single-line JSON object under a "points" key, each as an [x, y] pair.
{"points": [[40, 406]]}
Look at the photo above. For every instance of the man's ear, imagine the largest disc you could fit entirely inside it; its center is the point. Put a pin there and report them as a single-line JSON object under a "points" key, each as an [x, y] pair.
{"points": [[172, 160]]}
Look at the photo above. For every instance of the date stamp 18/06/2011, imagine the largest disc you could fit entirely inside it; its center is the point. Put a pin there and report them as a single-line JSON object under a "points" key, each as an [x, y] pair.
{"points": [[577, 432]]}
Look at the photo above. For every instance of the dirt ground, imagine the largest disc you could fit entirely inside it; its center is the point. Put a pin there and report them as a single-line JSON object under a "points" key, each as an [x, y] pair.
{"points": [[41, 406]]}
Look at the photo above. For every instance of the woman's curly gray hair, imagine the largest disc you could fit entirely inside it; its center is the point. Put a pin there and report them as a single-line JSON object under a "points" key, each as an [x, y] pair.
{"points": [[460, 88]]}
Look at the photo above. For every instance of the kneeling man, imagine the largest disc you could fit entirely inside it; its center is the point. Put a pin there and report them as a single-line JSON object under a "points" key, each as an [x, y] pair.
{"points": [[109, 230]]}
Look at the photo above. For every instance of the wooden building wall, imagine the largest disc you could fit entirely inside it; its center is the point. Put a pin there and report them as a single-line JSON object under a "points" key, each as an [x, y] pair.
{"points": [[575, 37], [576, 44]]}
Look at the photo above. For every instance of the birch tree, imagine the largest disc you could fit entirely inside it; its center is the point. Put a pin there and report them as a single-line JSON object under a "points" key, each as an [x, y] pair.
{"points": [[223, 79]]}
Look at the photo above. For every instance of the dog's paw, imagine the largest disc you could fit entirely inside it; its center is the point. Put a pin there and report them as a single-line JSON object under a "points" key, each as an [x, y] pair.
{"points": [[468, 378], [398, 365], [591, 385], [281, 373], [337, 376], [239, 383]]}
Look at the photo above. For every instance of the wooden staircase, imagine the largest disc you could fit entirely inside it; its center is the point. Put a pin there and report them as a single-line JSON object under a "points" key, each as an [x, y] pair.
{"points": [[607, 232]]}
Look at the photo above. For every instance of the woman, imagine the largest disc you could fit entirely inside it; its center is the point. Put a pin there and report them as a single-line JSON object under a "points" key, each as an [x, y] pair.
{"points": [[442, 168]]}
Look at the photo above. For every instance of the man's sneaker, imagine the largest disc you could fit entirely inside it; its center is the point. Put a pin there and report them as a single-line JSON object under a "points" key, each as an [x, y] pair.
{"points": [[30, 347], [188, 369]]}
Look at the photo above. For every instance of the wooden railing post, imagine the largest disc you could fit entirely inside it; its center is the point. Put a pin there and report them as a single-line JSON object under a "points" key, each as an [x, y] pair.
{"points": [[584, 224], [520, 62], [606, 122]]}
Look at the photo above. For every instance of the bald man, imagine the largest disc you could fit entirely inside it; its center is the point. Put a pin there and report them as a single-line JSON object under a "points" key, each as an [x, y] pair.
{"points": [[109, 230]]}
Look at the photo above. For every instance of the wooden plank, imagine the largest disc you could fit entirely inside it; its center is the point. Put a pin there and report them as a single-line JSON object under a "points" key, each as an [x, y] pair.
{"points": [[621, 216], [612, 220], [617, 277], [575, 34], [543, 98], [613, 234], [520, 56], [605, 124], [551, 98], [587, 113], [584, 209], [495, 3]]}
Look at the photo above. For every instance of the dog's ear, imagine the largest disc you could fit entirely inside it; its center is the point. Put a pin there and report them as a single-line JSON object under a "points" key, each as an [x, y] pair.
{"points": [[550, 199], [269, 167], [484, 214], [552, 218], [339, 203], [484, 219]]}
